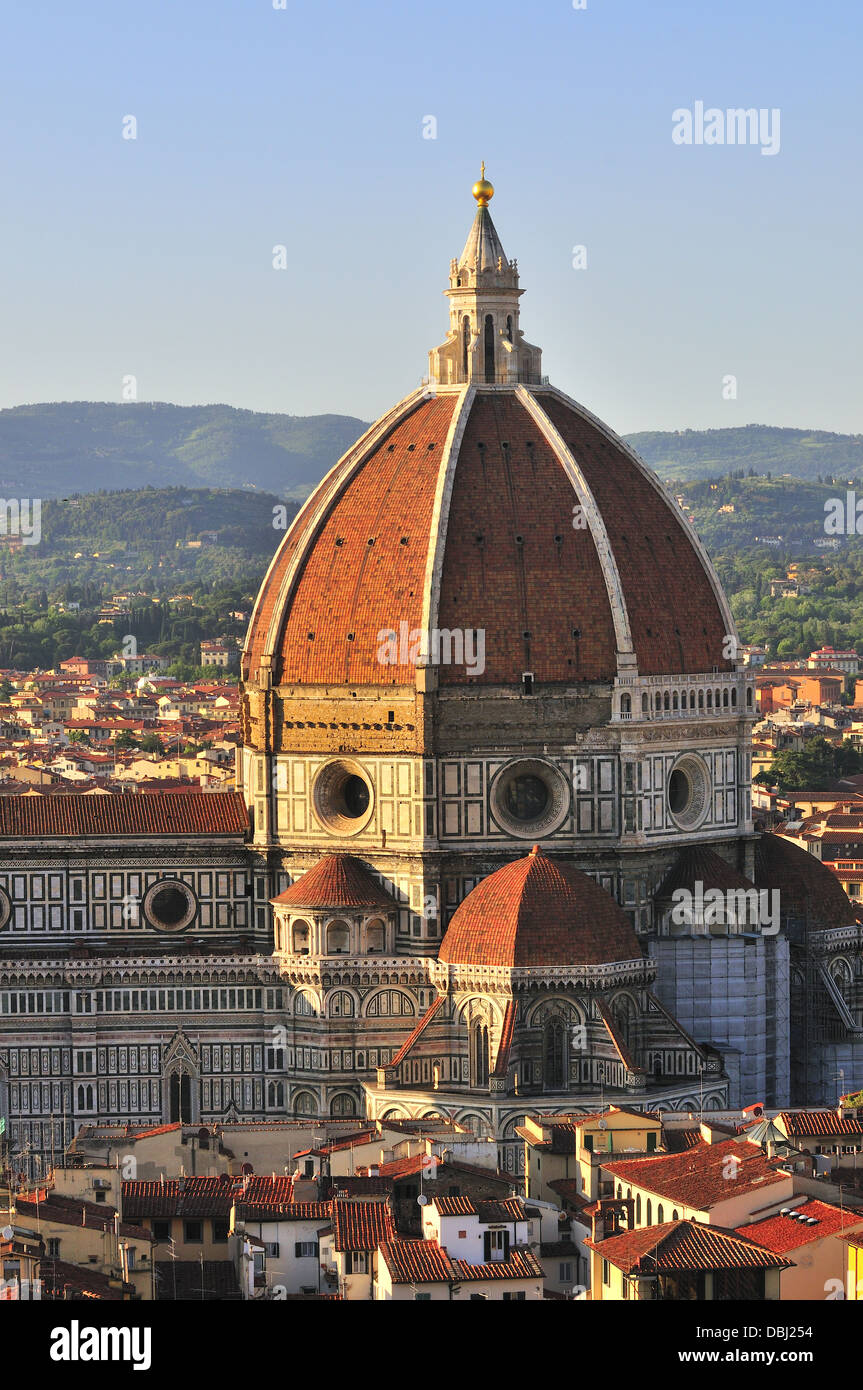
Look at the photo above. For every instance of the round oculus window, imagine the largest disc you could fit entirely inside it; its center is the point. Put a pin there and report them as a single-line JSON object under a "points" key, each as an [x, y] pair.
{"points": [[526, 798], [170, 905], [530, 798], [688, 792], [343, 797]]}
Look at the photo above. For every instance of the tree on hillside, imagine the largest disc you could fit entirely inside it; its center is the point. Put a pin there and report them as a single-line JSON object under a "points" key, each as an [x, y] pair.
{"points": [[815, 768]]}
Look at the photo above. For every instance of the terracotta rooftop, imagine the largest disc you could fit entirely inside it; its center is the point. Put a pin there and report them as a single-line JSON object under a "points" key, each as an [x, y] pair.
{"points": [[539, 911], [337, 880], [488, 1211], [62, 1281], [360, 1225], [71, 816], [783, 1233], [813, 1124], [702, 1176], [680, 1245], [71, 1211], [195, 1197], [425, 1262]]}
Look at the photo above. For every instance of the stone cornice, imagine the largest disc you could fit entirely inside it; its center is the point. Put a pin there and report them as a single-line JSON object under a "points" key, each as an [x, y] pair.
{"points": [[506, 979]]}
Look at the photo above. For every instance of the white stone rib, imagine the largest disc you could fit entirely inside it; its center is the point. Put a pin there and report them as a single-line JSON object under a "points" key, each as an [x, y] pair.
{"points": [[648, 473], [318, 506], [440, 514], [627, 662]]}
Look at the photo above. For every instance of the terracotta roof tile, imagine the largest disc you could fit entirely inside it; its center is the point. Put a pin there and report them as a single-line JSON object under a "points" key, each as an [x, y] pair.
{"points": [[814, 1123], [71, 1211], [513, 561], [539, 911], [417, 1032], [194, 1197], [337, 880], [679, 1245], [348, 590], [454, 1206], [71, 816], [521, 1264], [783, 1233], [702, 1176], [655, 555], [416, 1262], [63, 1281], [507, 1033], [361, 1225]]}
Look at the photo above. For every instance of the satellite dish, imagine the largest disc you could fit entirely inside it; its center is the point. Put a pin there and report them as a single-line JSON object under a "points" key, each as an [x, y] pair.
{"points": [[603, 1124], [422, 1200], [7, 1233]]}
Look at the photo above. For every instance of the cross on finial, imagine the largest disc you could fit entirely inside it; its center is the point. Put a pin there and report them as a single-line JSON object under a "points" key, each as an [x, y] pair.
{"points": [[482, 169]]}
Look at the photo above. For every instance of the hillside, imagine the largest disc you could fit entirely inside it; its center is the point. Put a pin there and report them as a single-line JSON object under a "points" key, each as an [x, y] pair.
{"points": [[51, 450], [763, 449]]}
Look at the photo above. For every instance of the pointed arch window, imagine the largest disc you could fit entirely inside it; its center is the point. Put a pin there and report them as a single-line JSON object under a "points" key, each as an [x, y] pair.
{"points": [[509, 327], [479, 1055], [465, 345], [488, 341], [180, 1103], [555, 1055]]}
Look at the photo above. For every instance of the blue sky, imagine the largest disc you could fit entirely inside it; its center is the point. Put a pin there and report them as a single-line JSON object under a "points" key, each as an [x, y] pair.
{"points": [[303, 126]]}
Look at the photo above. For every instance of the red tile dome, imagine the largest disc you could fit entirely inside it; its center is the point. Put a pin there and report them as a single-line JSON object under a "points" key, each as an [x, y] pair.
{"points": [[461, 510], [337, 880], [808, 888], [539, 911]]}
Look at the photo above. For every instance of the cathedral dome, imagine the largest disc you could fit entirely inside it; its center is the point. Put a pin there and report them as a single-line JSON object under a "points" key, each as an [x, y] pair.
{"points": [[808, 889], [487, 502], [541, 912], [337, 880]]}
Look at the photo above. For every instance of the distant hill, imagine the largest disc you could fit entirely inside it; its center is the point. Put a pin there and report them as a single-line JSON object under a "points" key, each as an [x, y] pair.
{"points": [[692, 454], [53, 450]]}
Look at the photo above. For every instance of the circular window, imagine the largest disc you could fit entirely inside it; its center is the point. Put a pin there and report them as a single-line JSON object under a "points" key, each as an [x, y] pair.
{"points": [[530, 798], [170, 905], [526, 798], [356, 796], [343, 798], [688, 792]]}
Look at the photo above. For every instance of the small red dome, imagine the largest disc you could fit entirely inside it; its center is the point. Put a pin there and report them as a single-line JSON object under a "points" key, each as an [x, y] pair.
{"points": [[539, 911], [337, 880]]}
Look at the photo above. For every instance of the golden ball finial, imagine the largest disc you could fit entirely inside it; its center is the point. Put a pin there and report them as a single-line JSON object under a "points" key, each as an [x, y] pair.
{"points": [[482, 190]]}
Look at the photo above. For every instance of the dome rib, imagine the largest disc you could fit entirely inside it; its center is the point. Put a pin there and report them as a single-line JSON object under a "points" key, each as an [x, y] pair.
{"points": [[687, 568], [538, 911], [456, 514], [626, 657]]}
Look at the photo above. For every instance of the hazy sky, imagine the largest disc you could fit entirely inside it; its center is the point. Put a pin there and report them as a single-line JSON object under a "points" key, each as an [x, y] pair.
{"points": [[303, 127]]}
